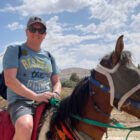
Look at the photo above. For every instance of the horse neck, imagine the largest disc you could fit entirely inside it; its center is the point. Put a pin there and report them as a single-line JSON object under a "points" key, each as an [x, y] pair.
{"points": [[102, 100]]}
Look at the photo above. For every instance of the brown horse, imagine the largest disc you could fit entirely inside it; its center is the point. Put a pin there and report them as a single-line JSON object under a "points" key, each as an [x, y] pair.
{"points": [[115, 74]]}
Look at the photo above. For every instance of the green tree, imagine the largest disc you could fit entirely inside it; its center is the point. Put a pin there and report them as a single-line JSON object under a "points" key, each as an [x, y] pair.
{"points": [[138, 66], [74, 77]]}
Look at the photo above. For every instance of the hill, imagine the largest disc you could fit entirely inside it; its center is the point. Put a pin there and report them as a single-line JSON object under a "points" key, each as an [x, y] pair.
{"points": [[66, 73]]}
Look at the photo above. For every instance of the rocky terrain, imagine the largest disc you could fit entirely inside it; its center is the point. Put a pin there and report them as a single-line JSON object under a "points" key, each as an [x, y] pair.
{"points": [[66, 73]]}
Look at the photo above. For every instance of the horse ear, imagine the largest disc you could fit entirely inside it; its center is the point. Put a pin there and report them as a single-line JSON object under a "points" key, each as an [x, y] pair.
{"points": [[118, 50]]}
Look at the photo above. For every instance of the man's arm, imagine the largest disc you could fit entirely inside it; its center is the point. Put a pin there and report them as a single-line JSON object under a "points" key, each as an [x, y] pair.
{"points": [[14, 84], [56, 84]]}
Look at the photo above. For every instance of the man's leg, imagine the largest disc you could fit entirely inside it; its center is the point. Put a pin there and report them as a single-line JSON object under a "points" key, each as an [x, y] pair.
{"points": [[23, 128], [21, 114]]}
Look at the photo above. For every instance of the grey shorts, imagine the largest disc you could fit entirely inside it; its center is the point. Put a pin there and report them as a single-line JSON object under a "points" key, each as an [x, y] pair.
{"points": [[20, 108]]}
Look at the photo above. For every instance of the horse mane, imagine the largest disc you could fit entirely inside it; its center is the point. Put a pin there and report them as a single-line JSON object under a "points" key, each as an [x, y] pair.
{"points": [[72, 104], [126, 57]]}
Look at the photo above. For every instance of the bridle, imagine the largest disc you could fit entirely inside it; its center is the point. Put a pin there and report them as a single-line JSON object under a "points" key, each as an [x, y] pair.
{"points": [[93, 81], [111, 90]]}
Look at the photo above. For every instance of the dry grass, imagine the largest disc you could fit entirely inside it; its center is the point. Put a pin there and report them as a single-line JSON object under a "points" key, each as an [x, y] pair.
{"points": [[3, 102], [66, 92]]}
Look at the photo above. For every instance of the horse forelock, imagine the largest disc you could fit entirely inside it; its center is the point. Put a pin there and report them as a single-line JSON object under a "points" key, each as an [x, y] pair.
{"points": [[72, 104], [126, 57]]}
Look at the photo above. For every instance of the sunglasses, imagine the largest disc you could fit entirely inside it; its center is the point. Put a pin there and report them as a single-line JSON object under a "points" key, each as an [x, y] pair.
{"points": [[33, 30]]}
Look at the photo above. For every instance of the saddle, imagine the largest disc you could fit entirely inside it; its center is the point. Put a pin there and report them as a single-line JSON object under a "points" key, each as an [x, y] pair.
{"points": [[7, 129]]}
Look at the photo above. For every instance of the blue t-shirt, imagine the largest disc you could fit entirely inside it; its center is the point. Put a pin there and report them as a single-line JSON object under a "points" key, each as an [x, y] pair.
{"points": [[34, 69]]}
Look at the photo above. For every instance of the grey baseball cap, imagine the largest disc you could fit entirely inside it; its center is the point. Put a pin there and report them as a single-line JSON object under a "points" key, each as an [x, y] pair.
{"points": [[36, 19]]}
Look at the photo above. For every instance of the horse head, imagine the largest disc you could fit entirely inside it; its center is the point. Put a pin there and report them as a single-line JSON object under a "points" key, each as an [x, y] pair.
{"points": [[123, 78]]}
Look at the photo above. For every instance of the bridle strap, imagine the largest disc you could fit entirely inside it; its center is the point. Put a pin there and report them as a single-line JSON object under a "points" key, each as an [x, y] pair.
{"points": [[105, 88], [127, 95], [125, 98], [103, 71], [96, 83]]}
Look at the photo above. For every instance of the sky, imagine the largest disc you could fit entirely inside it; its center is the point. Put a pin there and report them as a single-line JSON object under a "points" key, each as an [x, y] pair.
{"points": [[79, 32]]}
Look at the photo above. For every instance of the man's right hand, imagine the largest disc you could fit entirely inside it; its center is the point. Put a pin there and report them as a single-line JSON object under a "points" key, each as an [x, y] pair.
{"points": [[45, 96]]}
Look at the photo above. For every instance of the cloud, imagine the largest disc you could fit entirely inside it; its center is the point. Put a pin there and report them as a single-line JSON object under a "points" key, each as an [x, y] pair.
{"points": [[77, 50], [113, 16], [15, 26], [91, 28], [135, 25], [133, 44], [37, 7], [54, 26], [104, 9], [74, 48]]}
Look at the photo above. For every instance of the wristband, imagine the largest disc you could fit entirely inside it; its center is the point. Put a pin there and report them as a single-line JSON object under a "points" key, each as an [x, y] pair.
{"points": [[57, 93]]}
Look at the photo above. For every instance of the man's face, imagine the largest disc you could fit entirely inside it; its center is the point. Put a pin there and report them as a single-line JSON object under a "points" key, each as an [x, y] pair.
{"points": [[36, 33]]}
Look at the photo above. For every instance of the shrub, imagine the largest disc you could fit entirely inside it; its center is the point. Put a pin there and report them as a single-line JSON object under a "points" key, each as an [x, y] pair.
{"points": [[68, 83], [74, 77]]}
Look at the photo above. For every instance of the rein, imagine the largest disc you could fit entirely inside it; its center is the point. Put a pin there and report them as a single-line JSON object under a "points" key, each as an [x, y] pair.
{"points": [[56, 103], [92, 122]]}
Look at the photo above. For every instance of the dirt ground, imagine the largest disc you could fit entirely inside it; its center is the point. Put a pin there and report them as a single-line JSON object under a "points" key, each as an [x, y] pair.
{"points": [[126, 120], [113, 134]]}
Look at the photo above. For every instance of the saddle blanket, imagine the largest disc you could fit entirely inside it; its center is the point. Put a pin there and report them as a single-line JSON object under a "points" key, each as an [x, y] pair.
{"points": [[7, 129]]}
